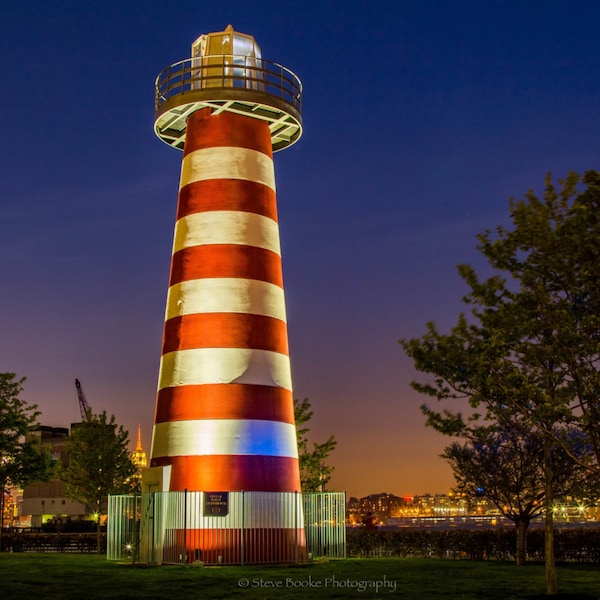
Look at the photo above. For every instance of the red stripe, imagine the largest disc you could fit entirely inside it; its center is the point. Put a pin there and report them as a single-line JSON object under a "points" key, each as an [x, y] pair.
{"points": [[261, 545], [226, 260], [232, 473], [224, 401], [225, 330], [205, 130], [227, 194]]}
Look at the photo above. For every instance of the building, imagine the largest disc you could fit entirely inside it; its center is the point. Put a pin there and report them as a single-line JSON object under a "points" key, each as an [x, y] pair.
{"points": [[138, 456], [46, 502], [382, 506]]}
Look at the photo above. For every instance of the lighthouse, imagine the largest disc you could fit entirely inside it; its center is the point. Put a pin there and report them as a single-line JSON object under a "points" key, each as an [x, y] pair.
{"points": [[224, 419]]}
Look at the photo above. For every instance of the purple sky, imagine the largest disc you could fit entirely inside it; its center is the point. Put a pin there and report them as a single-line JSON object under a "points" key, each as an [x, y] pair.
{"points": [[421, 119]]}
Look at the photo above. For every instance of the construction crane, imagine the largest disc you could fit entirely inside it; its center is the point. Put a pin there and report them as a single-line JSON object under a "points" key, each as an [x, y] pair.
{"points": [[84, 407]]}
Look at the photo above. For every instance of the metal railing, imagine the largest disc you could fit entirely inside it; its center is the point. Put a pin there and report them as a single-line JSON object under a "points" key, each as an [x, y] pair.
{"points": [[256, 527], [228, 72], [259, 527], [123, 527]]}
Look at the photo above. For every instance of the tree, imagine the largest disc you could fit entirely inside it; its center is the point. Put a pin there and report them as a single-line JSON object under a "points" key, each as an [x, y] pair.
{"points": [[530, 348], [314, 473], [99, 463], [505, 464], [22, 458]]}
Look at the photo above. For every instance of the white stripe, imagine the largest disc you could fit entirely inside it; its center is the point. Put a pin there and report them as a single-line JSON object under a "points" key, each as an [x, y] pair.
{"points": [[200, 366], [225, 294], [207, 437], [226, 227], [225, 162], [260, 510]]}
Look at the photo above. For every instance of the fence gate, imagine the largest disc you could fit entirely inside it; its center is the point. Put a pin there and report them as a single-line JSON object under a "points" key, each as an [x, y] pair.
{"points": [[123, 527], [226, 527], [325, 524]]}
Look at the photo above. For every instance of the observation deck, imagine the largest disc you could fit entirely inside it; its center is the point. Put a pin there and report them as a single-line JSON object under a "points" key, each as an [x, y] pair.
{"points": [[235, 83]]}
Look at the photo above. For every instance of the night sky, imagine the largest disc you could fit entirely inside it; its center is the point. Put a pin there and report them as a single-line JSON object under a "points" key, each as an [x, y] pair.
{"points": [[421, 118]]}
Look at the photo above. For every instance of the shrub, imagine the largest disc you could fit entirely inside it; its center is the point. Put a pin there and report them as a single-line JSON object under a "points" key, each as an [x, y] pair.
{"points": [[26, 541], [572, 545]]}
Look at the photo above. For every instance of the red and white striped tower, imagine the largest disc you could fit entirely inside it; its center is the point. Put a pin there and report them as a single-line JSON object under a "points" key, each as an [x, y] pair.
{"points": [[224, 411]]}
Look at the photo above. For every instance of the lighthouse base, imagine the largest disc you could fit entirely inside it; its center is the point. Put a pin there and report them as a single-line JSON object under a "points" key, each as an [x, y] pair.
{"points": [[170, 527], [219, 527], [234, 546]]}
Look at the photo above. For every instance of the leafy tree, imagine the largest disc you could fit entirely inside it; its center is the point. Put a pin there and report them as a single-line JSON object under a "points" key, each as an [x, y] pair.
{"points": [[530, 349], [99, 463], [314, 473], [22, 458], [505, 464]]}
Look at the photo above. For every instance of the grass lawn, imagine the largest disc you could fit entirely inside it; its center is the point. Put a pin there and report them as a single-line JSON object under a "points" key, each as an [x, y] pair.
{"points": [[64, 576]]}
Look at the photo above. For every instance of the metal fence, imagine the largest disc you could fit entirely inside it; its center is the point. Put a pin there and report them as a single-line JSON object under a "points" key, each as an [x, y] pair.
{"points": [[325, 524], [123, 527], [226, 528]]}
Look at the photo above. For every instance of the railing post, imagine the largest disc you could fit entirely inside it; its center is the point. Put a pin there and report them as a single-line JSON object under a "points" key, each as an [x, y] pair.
{"points": [[136, 530], [296, 526], [242, 535], [185, 526], [153, 540]]}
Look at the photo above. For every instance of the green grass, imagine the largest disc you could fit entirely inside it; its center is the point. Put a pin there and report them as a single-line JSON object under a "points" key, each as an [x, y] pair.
{"points": [[53, 576]]}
